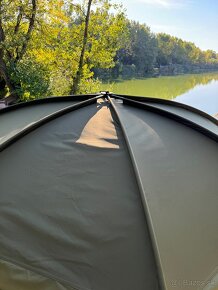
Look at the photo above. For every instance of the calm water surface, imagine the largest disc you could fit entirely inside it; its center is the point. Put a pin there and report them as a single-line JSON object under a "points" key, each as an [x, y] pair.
{"points": [[197, 90]]}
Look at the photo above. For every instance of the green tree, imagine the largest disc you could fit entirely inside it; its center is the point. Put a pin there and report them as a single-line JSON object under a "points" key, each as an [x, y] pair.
{"points": [[21, 23], [62, 48], [138, 56], [172, 50], [102, 38], [17, 20], [143, 46], [78, 76]]}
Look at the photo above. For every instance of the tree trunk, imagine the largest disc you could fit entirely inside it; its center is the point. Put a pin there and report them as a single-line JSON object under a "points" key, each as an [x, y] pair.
{"points": [[78, 76], [5, 76], [3, 68], [31, 25]]}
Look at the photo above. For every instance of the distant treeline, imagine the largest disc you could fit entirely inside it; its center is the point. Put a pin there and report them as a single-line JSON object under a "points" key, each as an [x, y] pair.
{"points": [[146, 53], [59, 47]]}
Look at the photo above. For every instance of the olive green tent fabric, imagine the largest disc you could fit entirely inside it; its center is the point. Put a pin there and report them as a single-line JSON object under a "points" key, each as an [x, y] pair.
{"points": [[177, 168], [70, 205], [178, 109], [108, 196], [13, 121], [14, 277], [194, 117]]}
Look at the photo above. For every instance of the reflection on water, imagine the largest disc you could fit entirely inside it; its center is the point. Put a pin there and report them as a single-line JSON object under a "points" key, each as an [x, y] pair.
{"points": [[198, 90]]}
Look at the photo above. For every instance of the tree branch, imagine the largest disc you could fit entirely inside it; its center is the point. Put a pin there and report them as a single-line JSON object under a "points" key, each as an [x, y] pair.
{"points": [[77, 78], [2, 34], [29, 31], [19, 18], [78, 7]]}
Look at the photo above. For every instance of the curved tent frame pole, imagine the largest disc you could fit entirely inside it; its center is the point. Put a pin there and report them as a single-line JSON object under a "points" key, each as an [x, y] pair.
{"points": [[145, 205], [176, 118], [49, 100], [92, 98], [170, 115], [169, 103], [45, 120]]}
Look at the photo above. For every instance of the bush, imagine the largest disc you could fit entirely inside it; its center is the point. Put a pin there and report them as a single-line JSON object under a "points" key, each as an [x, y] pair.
{"points": [[31, 79]]}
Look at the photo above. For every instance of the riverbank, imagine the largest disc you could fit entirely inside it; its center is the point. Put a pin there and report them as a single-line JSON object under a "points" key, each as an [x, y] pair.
{"points": [[178, 69], [129, 72]]}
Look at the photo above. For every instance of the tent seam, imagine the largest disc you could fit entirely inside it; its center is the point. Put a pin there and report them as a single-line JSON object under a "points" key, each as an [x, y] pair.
{"points": [[144, 202]]}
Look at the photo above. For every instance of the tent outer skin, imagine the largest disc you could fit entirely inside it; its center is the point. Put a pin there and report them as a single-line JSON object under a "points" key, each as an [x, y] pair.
{"points": [[108, 191]]}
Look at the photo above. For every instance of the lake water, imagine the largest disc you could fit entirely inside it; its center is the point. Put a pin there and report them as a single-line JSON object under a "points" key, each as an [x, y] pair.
{"points": [[197, 90]]}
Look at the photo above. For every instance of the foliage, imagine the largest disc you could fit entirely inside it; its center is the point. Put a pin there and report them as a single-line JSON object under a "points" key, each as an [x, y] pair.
{"points": [[24, 76], [32, 79], [47, 49], [145, 53], [172, 50], [106, 34], [143, 46], [42, 45]]}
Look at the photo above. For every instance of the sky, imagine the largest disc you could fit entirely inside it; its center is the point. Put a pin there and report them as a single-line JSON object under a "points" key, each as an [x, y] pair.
{"points": [[191, 20]]}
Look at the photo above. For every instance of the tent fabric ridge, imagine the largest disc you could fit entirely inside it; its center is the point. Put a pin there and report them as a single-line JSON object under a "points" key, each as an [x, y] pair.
{"points": [[48, 100], [172, 116], [144, 201], [170, 103], [29, 128], [42, 274]]}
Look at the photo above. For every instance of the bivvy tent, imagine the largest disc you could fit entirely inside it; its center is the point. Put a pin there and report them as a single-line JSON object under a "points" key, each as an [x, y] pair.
{"points": [[108, 192]]}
